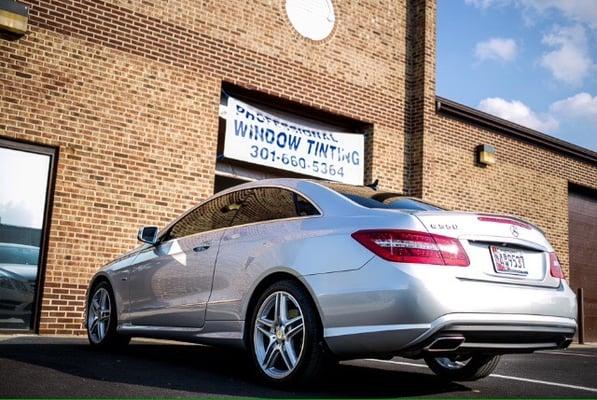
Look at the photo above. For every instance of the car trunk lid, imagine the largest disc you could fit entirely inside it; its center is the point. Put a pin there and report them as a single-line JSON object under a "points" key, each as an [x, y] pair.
{"points": [[501, 248]]}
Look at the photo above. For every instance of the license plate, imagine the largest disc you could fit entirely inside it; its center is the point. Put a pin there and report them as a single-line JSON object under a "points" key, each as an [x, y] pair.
{"points": [[508, 261]]}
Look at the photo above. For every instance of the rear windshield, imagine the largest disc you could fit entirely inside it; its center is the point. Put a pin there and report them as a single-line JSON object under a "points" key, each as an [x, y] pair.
{"points": [[371, 198]]}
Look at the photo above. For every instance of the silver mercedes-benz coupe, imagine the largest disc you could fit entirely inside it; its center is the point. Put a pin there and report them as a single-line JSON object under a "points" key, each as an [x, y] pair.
{"points": [[301, 273]]}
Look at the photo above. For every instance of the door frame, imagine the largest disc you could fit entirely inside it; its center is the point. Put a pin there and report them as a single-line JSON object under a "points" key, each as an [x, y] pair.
{"points": [[590, 194], [52, 152]]}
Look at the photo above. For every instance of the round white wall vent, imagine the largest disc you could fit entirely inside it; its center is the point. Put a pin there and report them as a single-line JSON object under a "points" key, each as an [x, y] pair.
{"points": [[314, 19]]}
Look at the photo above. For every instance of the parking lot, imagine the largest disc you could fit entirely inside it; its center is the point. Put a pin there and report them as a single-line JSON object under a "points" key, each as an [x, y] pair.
{"points": [[66, 366]]}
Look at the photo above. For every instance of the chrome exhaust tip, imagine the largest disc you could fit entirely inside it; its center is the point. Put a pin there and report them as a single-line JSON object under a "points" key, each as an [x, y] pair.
{"points": [[445, 344]]}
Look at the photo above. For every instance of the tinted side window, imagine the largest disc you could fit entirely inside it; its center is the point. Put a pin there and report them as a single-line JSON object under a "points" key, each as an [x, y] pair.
{"points": [[215, 214], [265, 204], [303, 206]]}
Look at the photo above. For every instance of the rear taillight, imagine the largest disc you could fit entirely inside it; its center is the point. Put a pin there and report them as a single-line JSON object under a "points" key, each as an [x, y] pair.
{"points": [[413, 247], [555, 269]]}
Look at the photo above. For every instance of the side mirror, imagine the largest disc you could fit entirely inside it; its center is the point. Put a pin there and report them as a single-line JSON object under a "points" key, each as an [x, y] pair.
{"points": [[148, 234]]}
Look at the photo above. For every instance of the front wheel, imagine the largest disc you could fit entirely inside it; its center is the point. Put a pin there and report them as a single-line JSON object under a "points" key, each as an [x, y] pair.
{"points": [[285, 337], [462, 367], [101, 318]]}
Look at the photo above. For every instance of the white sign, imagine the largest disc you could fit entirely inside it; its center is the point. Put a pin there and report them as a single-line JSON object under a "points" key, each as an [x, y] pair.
{"points": [[257, 137]]}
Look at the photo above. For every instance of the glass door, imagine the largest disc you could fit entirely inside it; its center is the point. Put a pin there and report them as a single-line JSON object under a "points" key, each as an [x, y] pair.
{"points": [[25, 172]]}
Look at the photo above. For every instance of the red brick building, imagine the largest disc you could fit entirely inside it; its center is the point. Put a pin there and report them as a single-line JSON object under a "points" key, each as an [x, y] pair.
{"points": [[123, 99]]}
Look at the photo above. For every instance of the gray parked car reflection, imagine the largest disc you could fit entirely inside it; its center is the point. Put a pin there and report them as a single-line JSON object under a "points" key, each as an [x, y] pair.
{"points": [[18, 273], [301, 273]]}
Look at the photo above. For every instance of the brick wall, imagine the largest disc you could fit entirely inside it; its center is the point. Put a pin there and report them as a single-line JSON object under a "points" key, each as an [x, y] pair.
{"points": [[129, 92]]}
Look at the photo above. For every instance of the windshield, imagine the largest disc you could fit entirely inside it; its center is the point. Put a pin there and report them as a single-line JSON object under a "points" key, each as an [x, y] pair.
{"points": [[370, 198], [19, 255]]}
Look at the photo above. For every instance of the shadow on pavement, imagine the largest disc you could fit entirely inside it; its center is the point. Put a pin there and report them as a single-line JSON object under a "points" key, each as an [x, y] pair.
{"points": [[189, 368]]}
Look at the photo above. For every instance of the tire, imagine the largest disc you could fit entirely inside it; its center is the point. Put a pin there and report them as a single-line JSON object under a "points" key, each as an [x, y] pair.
{"points": [[470, 369], [273, 340], [102, 318]]}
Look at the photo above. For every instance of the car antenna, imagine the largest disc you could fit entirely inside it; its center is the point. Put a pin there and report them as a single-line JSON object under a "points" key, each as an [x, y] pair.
{"points": [[374, 185]]}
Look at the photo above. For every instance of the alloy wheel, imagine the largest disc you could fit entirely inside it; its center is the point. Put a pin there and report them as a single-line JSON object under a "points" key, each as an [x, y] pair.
{"points": [[279, 335], [98, 319]]}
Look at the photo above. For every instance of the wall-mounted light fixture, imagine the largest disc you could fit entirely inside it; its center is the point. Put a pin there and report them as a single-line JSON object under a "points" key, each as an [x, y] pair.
{"points": [[13, 19], [485, 154]]}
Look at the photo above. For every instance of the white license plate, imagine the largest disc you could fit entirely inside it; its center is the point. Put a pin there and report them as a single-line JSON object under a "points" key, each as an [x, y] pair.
{"points": [[508, 261]]}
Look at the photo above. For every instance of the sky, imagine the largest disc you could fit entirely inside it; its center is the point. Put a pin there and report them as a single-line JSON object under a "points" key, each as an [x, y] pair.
{"points": [[533, 62], [23, 181]]}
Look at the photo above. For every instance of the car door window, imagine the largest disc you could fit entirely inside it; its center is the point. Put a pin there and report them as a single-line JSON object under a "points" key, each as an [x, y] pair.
{"points": [[265, 204], [215, 214]]}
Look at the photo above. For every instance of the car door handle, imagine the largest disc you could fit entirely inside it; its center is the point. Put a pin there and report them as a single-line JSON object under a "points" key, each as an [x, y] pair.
{"points": [[201, 248]]}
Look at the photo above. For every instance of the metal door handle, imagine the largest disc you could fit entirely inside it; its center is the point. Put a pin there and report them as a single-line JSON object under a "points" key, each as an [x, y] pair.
{"points": [[200, 248]]}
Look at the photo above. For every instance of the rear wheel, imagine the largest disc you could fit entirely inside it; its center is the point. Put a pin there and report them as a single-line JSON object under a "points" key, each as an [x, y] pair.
{"points": [[463, 367], [285, 337], [101, 318]]}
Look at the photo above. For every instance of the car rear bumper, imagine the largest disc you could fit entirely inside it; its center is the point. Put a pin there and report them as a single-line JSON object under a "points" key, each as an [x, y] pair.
{"points": [[487, 333], [400, 309], [492, 333]]}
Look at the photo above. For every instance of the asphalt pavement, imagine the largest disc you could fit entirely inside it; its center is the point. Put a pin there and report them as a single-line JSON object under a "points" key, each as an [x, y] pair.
{"points": [[46, 366]]}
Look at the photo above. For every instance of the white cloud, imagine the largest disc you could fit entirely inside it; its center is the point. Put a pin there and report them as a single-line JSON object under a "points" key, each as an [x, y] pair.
{"points": [[570, 61], [577, 10], [487, 3], [581, 105], [518, 112], [575, 115], [501, 49], [578, 115]]}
